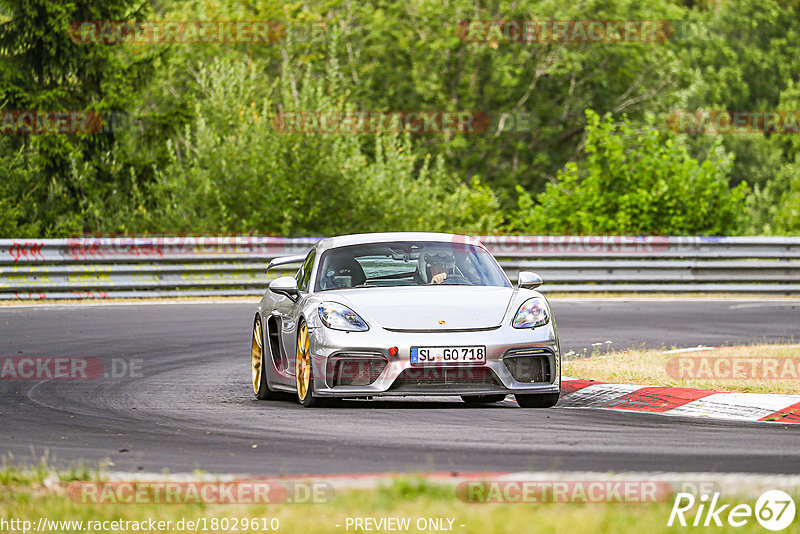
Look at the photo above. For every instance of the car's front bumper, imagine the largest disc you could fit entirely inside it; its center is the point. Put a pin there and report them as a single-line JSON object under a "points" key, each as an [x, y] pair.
{"points": [[400, 377]]}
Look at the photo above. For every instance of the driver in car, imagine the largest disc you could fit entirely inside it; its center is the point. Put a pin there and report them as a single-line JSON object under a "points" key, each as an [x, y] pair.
{"points": [[439, 265]]}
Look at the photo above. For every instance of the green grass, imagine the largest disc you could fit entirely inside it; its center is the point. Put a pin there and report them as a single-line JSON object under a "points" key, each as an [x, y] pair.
{"points": [[650, 367], [12, 474], [22, 496]]}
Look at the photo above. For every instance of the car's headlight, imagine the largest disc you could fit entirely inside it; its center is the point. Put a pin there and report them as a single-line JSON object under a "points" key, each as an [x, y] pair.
{"points": [[531, 314], [340, 317]]}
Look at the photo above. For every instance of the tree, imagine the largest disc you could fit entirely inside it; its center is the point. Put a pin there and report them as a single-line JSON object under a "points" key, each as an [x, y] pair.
{"points": [[233, 170], [44, 69], [635, 181]]}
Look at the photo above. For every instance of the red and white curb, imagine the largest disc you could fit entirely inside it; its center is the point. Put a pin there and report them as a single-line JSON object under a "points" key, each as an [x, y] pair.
{"points": [[680, 401]]}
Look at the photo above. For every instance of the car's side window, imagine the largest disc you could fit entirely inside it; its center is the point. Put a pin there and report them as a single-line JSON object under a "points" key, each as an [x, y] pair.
{"points": [[304, 274]]}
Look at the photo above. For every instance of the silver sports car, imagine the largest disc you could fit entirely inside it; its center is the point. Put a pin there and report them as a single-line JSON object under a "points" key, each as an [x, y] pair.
{"points": [[404, 314]]}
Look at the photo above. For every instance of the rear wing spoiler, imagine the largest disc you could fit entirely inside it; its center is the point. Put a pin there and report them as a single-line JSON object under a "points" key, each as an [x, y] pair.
{"points": [[285, 260]]}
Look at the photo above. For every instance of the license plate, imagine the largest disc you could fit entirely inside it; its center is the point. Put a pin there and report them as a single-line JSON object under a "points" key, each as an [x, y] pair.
{"points": [[446, 355]]}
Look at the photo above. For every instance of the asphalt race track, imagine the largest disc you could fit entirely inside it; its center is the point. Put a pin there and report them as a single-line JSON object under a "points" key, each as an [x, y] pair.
{"points": [[191, 407]]}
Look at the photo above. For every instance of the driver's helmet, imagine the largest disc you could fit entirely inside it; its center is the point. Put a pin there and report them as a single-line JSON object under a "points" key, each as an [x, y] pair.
{"points": [[442, 260]]}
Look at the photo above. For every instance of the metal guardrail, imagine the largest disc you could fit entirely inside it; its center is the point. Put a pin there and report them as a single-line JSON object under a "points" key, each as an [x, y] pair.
{"points": [[222, 266]]}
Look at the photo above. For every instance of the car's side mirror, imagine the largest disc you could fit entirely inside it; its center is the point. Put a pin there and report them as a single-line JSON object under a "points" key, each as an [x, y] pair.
{"points": [[286, 286], [528, 280]]}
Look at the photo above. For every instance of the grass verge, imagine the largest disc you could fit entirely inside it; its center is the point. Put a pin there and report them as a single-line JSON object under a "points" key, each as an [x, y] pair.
{"points": [[412, 498], [746, 369]]}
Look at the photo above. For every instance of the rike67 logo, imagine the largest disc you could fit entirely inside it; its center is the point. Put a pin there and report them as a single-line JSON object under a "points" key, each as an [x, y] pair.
{"points": [[774, 510]]}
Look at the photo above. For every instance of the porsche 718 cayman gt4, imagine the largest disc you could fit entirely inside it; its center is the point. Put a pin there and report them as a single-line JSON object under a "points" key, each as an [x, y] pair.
{"points": [[376, 315]]}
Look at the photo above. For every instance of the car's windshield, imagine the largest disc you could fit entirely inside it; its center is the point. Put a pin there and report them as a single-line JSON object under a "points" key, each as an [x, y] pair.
{"points": [[408, 263]]}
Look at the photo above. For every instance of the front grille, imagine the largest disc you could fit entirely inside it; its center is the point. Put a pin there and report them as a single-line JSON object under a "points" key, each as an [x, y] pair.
{"points": [[445, 376], [530, 365], [357, 371], [440, 330]]}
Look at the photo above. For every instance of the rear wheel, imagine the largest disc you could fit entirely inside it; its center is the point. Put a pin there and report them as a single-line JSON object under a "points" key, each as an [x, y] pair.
{"points": [[258, 365], [304, 375], [546, 400], [482, 399]]}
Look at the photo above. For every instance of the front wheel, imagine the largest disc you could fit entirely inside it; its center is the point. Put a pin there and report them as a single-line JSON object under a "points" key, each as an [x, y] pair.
{"points": [[546, 400], [304, 376]]}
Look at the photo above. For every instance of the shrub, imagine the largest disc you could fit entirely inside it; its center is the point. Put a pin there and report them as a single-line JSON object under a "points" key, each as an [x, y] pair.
{"points": [[635, 181]]}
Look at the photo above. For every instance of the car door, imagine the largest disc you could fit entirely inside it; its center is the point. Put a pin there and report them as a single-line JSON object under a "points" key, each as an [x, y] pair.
{"points": [[289, 311]]}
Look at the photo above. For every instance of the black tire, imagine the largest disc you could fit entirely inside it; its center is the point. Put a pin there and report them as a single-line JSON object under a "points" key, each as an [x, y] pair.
{"points": [[262, 391], [482, 399], [542, 400]]}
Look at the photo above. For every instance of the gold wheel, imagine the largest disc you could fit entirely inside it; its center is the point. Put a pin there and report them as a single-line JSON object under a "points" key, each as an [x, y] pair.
{"points": [[303, 363], [258, 356]]}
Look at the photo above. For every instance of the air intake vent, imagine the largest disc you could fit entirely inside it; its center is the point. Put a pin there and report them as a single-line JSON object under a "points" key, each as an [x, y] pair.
{"points": [[530, 365], [357, 371], [444, 377]]}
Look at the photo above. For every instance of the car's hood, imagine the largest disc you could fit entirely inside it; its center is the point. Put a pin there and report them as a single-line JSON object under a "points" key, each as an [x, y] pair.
{"points": [[429, 307]]}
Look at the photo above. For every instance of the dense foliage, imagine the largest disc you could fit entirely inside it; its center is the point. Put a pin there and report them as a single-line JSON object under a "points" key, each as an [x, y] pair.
{"points": [[636, 182], [585, 147]]}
